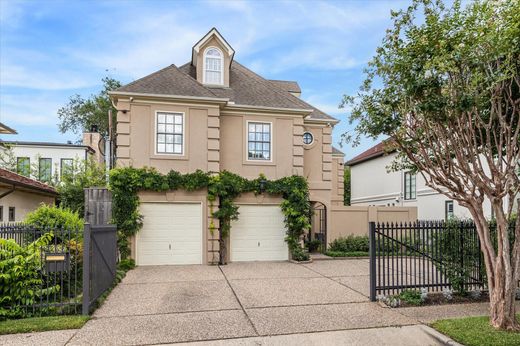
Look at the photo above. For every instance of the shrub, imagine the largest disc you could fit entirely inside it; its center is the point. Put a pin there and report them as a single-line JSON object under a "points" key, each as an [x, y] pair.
{"points": [[346, 254], [313, 245], [350, 243], [48, 217], [412, 297], [126, 264], [21, 277], [299, 255], [84, 173]]}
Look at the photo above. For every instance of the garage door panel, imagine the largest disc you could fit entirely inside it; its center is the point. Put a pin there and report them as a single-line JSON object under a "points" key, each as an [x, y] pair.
{"points": [[258, 234], [171, 234]]}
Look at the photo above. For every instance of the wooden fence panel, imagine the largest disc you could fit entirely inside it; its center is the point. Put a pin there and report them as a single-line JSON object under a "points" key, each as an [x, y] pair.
{"points": [[98, 206]]}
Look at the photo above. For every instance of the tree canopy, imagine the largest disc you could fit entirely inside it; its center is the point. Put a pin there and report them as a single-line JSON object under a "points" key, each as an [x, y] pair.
{"points": [[444, 85], [79, 114]]}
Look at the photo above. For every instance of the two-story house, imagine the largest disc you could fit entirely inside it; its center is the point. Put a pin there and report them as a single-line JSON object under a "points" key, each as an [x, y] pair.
{"points": [[214, 114], [374, 183]]}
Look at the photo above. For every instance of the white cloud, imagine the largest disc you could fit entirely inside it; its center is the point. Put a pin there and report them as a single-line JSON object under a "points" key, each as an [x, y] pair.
{"points": [[36, 77], [29, 109]]}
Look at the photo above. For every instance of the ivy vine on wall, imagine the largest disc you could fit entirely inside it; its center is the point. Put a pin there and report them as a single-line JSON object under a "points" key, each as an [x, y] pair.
{"points": [[222, 188]]}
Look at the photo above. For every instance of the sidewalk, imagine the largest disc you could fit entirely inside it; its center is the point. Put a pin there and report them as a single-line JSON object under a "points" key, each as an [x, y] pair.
{"points": [[387, 336]]}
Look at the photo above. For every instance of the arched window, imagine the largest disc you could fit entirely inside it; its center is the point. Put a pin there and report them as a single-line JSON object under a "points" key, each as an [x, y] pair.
{"points": [[213, 62]]}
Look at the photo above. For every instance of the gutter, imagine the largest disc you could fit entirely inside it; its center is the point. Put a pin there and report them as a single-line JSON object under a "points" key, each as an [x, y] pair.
{"points": [[233, 106], [320, 121], [13, 187], [34, 189], [170, 97]]}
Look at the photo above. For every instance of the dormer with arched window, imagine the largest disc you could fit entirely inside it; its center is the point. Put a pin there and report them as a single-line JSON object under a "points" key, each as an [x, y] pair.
{"points": [[212, 57], [213, 73]]}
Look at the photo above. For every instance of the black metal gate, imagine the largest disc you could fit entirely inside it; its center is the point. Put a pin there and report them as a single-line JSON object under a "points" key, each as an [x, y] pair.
{"points": [[432, 255], [319, 224], [99, 265]]}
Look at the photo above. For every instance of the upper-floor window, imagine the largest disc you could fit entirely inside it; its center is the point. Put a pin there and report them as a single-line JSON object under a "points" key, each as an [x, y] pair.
{"points": [[213, 63], [66, 168], [170, 133], [409, 186], [45, 170], [23, 166], [448, 210], [259, 141]]}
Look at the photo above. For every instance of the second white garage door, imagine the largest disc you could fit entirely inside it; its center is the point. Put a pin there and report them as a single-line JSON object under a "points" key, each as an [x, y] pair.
{"points": [[171, 234], [258, 234]]}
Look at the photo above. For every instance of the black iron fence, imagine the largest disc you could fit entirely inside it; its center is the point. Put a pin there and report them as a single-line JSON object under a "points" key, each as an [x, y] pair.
{"points": [[426, 254], [41, 270], [54, 271]]}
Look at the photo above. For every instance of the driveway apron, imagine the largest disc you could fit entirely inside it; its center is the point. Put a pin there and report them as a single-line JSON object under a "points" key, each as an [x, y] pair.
{"points": [[171, 304]]}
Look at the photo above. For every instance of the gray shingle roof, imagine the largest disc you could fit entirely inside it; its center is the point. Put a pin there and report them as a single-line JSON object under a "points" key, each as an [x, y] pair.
{"points": [[245, 88], [168, 81], [287, 85]]}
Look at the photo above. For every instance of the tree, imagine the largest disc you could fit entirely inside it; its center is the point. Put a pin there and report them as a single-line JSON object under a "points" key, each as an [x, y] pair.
{"points": [[80, 114], [83, 174], [7, 158], [346, 186], [445, 86]]}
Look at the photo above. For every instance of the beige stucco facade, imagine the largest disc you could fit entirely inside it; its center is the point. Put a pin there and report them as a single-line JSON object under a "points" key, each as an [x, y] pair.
{"points": [[215, 138], [23, 202]]}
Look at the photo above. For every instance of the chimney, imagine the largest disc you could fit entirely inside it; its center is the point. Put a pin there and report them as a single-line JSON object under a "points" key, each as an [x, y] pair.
{"points": [[94, 140]]}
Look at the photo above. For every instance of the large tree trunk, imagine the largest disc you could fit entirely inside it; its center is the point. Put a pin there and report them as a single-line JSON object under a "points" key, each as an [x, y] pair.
{"points": [[502, 300], [501, 270]]}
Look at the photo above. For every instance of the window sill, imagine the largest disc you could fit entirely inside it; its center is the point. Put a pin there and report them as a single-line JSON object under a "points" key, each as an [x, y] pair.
{"points": [[168, 157], [259, 163]]}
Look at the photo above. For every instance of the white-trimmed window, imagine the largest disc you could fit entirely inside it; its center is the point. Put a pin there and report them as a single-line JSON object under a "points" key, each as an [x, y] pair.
{"points": [[170, 133], [410, 186], [213, 62], [259, 141]]}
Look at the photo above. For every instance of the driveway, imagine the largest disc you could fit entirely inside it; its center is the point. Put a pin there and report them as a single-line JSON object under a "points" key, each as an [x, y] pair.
{"points": [[168, 304]]}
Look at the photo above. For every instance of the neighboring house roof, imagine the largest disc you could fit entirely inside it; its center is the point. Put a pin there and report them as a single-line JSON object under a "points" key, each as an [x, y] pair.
{"points": [[377, 150], [17, 180], [287, 85], [245, 88], [337, 152], [48, 144], [4, 129]]}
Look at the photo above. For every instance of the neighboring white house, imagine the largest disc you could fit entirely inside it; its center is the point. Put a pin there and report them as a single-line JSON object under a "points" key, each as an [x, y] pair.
{"points": [[373, 183], [46, 161]]}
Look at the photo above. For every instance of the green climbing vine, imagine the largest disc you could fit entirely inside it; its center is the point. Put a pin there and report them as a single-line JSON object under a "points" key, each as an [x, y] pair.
{"points": [[222, 188]]}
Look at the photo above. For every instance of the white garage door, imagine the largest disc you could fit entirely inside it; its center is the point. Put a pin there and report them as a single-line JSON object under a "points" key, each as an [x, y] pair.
{"points": [[258, 234], [171, 234]]}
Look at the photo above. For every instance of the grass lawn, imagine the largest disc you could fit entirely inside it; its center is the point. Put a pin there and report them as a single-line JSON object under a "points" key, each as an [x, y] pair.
{"points": [[42, 324], [476, 331]]}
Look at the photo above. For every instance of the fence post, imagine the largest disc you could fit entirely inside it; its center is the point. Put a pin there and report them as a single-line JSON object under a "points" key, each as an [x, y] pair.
{"points": [[85, 309], [372, 243]]}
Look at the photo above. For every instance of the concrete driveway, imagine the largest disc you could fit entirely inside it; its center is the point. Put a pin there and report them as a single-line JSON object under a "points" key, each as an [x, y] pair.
{"points": [[169, 304]]}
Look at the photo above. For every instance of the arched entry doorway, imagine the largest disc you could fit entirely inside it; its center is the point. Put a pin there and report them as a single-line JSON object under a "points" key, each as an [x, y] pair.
{"points": [[319, 225]]}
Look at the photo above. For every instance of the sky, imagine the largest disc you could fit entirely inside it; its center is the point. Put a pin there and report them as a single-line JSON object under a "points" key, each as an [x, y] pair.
{"points": [[51, 50]]}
